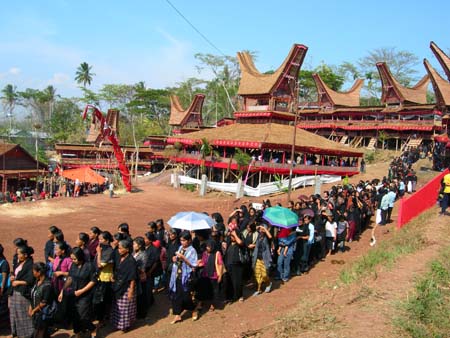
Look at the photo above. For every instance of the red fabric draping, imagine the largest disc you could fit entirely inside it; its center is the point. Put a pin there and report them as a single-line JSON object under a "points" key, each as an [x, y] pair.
{"points": [[84, 174], [441, 138], [421, 200], [365, 127], [238, 144]]}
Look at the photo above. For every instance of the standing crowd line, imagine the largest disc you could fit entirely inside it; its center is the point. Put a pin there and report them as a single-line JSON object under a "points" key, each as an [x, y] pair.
{"points": [[105, 277]]}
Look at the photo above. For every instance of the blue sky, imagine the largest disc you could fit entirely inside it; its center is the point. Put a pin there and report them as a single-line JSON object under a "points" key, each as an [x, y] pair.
{"points": [[43, 42]]}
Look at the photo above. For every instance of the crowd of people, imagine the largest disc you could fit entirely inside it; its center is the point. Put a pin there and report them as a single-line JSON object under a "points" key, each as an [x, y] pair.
{"points": [[69, 188], [113, 277]]}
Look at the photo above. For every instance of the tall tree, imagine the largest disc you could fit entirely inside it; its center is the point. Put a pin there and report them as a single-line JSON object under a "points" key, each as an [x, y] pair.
{"points": [[153, 105], [36, 101], [401, 63], [9, 100], [328, 73], [66, 124], [226, 79], [50, 96], [83, 74]]}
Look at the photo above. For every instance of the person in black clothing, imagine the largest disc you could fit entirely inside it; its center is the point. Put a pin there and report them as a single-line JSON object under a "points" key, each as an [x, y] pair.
{"points": [[124, 228], [49, 250], [160, 232], [42, 297], [78, 287], [153, 267], [118, 236], [22, 281], [125, 288], [104, 263], [140, 257], [173, 244], [4, 273], [234, 266], [18, 242]]}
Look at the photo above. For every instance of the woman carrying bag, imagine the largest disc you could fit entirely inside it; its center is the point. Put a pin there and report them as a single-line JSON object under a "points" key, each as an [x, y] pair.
{"points": [[42, 307]]}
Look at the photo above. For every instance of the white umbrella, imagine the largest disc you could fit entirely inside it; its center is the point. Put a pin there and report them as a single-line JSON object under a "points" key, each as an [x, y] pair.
{"points": [[191, 220]]}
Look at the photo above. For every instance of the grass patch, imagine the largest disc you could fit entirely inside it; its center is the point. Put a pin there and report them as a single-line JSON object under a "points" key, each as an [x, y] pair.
{"points": [[426, 313], [190, 187], [405, 241]]}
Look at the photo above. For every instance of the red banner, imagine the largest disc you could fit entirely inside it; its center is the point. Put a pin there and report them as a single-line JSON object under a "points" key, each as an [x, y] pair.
{"points": [[420, 201]]}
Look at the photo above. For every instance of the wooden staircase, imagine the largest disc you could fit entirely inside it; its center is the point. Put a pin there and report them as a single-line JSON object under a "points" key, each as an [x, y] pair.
{"points": [[343, 140], [372, 143], [412, 143], [356, 142]]}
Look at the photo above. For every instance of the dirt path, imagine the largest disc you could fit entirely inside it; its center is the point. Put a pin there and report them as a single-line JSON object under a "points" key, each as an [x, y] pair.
{"points": [[31, 220]]}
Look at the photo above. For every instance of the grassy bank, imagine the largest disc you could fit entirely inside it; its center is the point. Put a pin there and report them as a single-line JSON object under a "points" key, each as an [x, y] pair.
{"points": [[426, 312], [405, 241]]}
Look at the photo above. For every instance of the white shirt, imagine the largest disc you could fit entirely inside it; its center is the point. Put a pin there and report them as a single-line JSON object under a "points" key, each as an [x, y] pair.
{"points": [[330, 229]]}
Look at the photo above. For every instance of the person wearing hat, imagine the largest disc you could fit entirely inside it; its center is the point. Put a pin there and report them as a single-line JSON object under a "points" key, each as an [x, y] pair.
{"points": [[330, 232]]}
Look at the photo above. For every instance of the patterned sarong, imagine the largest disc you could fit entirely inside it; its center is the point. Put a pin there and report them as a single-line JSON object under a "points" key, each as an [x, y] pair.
{"points": [[261, 273], [21, 322], [124, 312]]}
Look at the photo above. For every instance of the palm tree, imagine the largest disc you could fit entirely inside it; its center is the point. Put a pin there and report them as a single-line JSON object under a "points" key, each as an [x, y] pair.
{"points": [[9, 99], [83, 74]]}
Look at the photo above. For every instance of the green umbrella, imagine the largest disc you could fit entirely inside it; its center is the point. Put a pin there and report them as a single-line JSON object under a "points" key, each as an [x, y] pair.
{"points": [[281, 217]]}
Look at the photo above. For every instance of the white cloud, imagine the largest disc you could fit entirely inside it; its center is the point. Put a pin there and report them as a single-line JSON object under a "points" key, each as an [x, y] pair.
{"points": [[14, 71], [58, 78]]}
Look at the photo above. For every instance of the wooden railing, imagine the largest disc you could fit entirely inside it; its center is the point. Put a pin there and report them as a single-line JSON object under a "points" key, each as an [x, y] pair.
{"points": [[262, 164]]}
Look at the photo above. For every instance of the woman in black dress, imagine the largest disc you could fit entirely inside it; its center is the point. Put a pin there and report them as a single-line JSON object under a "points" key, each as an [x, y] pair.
{"points": [[22, 281], [42, 297], [4, 275], [78, 287], [124, 288]]}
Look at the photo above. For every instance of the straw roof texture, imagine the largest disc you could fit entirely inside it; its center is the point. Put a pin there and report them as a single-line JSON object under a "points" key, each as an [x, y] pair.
{"points": [[443, 59], [440, 85], [255, 83], [5, 147], [416, 94], [269, 134], [349, 98], [178, 115]]}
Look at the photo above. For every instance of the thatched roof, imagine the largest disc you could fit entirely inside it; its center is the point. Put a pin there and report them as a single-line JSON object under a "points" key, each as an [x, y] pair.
{"points": [[5, 147], [443, 59], [267, 136], [441, 86], [393, 91], [178, 115], [327, 96], [255, 83]]}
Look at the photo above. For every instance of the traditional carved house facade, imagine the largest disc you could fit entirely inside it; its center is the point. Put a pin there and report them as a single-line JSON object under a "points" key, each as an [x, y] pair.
{"points": [[18, 169]]}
